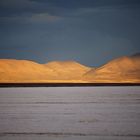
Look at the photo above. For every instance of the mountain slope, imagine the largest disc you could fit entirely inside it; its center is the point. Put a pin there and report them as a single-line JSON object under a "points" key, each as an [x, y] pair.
{"points": [[124, 69], [23, 70], [28, 71], [67, 69]]}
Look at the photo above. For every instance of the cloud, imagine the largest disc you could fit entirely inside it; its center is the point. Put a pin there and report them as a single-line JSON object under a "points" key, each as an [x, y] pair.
{"points": [[21, 7], [34, 18], [16, 3], [87, 3], [44, 17], [58, 7]]}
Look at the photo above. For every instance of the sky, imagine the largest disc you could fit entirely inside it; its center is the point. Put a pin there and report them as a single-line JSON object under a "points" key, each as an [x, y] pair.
{"points": [[91, 32]]}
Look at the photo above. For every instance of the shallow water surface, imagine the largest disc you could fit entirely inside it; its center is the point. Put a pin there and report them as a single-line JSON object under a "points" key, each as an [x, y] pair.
{"points": [[70, 113]]}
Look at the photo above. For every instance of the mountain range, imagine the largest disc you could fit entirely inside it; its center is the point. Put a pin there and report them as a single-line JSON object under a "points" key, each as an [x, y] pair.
{"points": [[125, 69]]}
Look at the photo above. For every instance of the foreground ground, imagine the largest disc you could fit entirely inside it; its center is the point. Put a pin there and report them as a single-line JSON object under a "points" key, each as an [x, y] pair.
{"points": [[70, 113]]}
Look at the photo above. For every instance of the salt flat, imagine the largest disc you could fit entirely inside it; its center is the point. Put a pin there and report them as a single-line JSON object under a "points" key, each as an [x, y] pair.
{"points": [[70, 113]]}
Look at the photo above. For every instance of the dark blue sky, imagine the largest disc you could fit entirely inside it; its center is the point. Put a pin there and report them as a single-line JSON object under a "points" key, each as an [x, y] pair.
{"points": [[91, 32]]}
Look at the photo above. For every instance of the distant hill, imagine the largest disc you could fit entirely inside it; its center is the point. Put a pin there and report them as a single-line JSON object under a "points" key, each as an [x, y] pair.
{"points": [[67, 70], [28, 71], [23, 70], [123, 69]]}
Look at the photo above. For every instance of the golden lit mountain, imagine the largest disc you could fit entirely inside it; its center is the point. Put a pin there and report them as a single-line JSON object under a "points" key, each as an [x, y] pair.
{"points": [[23, 70], [124, 69], [67, 70], [28, 71]]}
